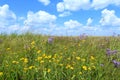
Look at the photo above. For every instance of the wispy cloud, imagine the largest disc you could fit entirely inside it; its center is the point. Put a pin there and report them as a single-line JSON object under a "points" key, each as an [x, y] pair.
{"points": [[45, 2]]}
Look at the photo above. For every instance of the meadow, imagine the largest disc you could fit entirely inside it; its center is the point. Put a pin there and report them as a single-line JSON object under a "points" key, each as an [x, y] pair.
{"points": [[37, 57]]}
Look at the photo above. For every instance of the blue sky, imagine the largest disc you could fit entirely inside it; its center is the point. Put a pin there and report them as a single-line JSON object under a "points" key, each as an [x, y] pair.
{"points": [[60, 17]]}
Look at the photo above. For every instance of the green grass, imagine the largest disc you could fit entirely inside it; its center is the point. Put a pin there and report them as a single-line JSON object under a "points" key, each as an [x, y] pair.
{"points": [[31, 57]]}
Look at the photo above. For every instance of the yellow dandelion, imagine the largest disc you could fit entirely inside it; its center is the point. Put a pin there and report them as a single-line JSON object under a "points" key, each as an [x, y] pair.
{"points": [[80, 73], [8, 49], [41, 61], [84, 67], [68, 58], [78, 58], [89, 68], [61, 64], [25, 60], [49, 56], [49, 70], [93, 67], [39, 51], [71, 68], [92, 58], [33, 43], [15, 62], [31, 67], [68, 66], [1, 73], [25, 69], [83, 60]]}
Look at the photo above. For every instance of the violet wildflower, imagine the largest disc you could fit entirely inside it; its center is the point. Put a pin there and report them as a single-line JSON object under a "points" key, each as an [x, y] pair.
{"points": [[116, 63], [50, 40], [83, 36], [110, 52]]}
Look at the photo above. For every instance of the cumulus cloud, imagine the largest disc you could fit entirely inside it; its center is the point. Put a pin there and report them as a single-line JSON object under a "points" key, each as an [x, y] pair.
{"points": [[100, 4], [72, 24], [109, 18], [73, 5], [89, 21], [39, 18], [7, 17], [64, 14], [45, 2]]}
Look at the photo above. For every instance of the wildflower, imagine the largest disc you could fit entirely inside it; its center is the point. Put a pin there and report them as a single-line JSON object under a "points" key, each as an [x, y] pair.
{"points": [[50, 40], [15, 62], [110, 52], [25, 69], [38, 51], [41, 61], [33, 43], [89, 68], [83, 60], [116, 63], [78, 58], [71, 68], [8, 49], [93, 67], [31, 67], [25, 60], [84, 68], [49, 70], [92, 58], [80, 73], [1, 73]]}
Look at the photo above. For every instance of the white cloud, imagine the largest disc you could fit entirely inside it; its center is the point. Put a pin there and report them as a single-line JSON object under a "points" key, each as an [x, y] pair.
{"points": [[60, 7], [7, 17], [100, 4], [64, 14], [73, 5], [89, 21], [109, 18], [39, 18], [72, 24], [45, 2]]}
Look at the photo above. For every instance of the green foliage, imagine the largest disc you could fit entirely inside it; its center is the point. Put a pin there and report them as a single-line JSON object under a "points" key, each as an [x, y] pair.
{"points": [[31, 57]]}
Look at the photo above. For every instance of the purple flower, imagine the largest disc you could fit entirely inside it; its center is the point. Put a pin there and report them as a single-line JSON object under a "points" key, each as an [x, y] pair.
{"points": [[83, 36], [110, 52], [116, 63], [50, 40]]}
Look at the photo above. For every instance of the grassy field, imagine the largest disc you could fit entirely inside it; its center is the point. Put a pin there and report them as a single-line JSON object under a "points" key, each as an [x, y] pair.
{"points": [[36, 57]]}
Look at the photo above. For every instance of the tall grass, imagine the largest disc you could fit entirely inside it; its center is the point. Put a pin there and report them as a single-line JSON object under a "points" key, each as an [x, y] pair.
{"points": [[32, 57]]}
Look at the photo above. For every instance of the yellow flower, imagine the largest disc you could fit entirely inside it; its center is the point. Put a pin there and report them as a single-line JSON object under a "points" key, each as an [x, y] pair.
{"points": [[92, 58], [39, 51], [89, 68], [78, 58], [93, 67], [83, 60], [15, 62], [68, 66], [25, 69], [41, 61], [80, 73], [1, 73], [84, 67], [61, 64], [71, 67], [49, 70], [8, 49], [33, 43], [25, 60], [31, 67]]}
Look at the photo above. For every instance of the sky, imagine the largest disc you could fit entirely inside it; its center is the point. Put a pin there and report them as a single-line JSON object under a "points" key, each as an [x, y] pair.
{"points": [[60, 17]]}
